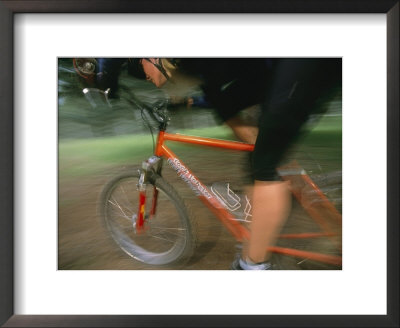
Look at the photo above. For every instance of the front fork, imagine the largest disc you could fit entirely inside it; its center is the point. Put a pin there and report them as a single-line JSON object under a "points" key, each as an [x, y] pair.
{"points": [[153, 164]]}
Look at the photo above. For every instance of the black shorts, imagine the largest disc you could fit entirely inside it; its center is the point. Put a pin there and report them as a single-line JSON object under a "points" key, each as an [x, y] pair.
{"points": [[292, 95]]}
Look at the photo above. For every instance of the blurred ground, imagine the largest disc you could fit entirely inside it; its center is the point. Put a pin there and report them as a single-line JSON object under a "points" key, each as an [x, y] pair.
{"points": [[85, 245]]}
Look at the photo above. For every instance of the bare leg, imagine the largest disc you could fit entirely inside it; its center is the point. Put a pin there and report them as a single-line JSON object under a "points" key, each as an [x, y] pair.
{"points": [[243, 131], [271, 205]]}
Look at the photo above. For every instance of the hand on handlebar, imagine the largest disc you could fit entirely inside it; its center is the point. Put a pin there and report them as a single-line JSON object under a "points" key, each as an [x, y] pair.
{"points": [[186, 101]]}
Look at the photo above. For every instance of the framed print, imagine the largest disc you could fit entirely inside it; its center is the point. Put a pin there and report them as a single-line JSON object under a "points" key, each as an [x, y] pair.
{"points": [[42, 284]]}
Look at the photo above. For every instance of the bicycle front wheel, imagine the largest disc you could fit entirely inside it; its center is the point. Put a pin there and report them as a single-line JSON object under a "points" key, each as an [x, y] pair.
{"points": [[167, 238]]}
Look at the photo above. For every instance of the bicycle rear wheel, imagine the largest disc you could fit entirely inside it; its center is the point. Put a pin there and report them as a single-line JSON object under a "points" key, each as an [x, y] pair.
{"points": [[299, 221], [168, 235]]}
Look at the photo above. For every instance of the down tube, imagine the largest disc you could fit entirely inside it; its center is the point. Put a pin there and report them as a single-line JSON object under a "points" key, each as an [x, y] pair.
{"points": [[201, 191]]}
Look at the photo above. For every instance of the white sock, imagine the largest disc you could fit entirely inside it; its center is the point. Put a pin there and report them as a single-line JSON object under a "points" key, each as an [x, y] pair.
{"points": [[250, 265]]}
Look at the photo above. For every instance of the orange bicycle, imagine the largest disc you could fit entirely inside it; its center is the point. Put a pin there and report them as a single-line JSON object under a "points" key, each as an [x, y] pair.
{"points": [[150, 222]]}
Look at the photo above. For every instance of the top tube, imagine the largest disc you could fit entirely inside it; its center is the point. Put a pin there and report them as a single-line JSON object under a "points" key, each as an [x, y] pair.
{"points": [[210, 142]]}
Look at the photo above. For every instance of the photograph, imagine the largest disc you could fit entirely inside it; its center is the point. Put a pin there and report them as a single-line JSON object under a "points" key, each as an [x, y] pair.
{"points": [[199, 163]]}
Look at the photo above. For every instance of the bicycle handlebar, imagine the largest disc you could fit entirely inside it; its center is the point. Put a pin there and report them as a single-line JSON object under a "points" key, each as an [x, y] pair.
{"points": [[157, 113]]}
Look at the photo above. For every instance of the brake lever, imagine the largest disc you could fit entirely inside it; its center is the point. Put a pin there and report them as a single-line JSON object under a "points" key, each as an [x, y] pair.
{"points": [[97, 97], [155, 113], [159, 114]]}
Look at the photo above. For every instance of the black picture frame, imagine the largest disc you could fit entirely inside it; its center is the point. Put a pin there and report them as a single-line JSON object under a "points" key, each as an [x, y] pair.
{"points": [[7, 10]]}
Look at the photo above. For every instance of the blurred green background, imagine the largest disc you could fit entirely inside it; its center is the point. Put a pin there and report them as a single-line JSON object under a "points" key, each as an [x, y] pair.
{"points": [[91, 138]]}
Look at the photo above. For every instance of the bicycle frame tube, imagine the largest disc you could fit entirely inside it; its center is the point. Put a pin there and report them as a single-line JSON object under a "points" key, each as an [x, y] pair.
{"points": [[210, 142], [319, 210], [207, 197], [240, 232]]}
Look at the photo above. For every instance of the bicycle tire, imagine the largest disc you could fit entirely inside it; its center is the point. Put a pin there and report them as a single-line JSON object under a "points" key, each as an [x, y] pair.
{"points": [[331, 186], [169, 237]]}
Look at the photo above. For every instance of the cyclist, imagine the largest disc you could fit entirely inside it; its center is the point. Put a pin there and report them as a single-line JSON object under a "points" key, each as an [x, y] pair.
{"points": [[288, 92]]}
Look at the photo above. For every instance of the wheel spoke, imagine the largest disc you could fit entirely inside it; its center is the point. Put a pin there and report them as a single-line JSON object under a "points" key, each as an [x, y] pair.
{"points": [[166, 236], [116, 204], [171, 231], [128, 201], [160, 236]]}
